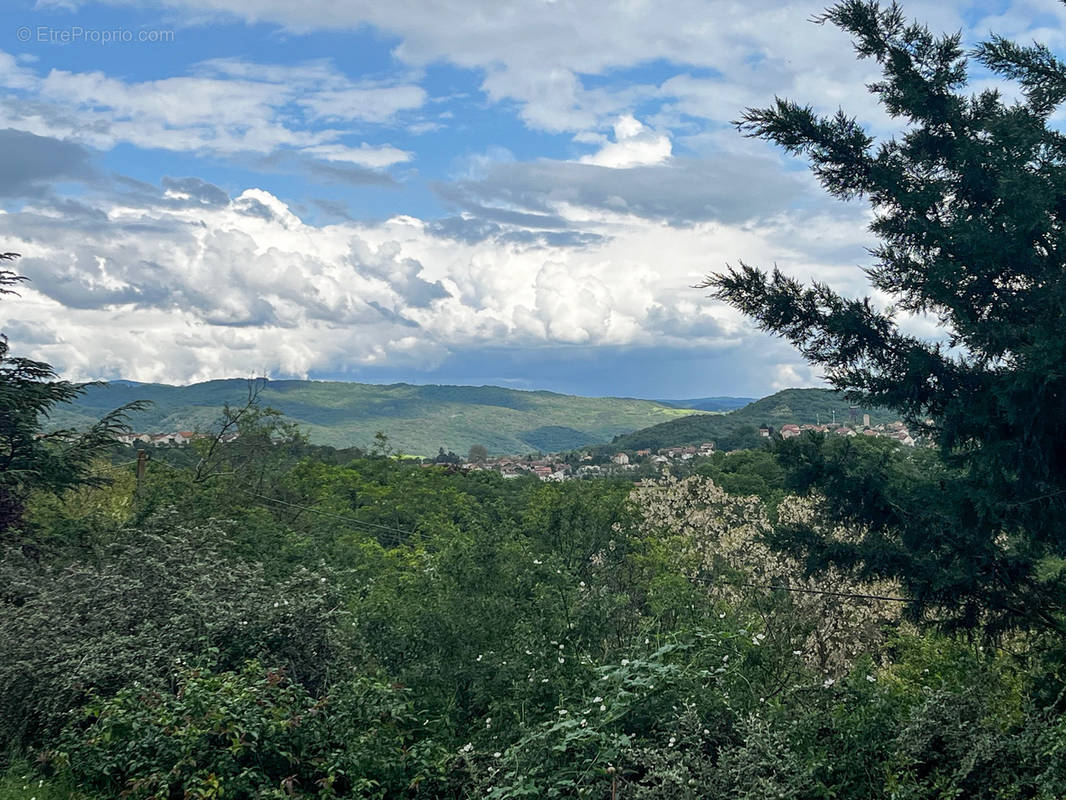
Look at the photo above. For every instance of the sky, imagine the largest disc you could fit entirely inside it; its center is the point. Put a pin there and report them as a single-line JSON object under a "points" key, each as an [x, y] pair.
{"points": [[430, 191]]}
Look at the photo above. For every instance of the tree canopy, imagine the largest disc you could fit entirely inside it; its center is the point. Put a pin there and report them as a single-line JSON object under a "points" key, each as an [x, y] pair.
{"points": [[969, 204]]}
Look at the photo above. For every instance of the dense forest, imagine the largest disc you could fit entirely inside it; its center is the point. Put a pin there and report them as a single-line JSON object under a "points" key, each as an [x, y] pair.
{"points": [[823, 617]]}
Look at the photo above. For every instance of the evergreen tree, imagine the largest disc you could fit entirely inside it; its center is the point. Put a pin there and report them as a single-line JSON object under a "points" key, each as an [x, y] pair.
{"points": [[969, 205], [30, 458]]}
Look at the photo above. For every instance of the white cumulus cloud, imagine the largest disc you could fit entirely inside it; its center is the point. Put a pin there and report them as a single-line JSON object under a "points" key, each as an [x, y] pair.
{"points": [[634, 145]]}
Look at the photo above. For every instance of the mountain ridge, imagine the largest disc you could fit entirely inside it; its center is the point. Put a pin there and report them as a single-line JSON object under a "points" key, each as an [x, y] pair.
{"points": [[418, 418]]}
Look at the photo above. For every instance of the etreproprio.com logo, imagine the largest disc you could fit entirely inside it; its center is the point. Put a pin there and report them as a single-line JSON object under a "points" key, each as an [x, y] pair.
{"points": [[76, 34]]}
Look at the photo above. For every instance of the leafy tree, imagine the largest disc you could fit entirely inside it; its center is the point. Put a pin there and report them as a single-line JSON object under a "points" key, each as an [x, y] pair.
{"points": [[381, 445], [446, 458], [969, 206], [478, 454], [29, 458]]}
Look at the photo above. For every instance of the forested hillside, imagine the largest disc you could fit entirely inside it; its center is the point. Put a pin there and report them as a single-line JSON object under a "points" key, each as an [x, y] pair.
{"points": [[711, 403], [417, 419], [738, 429]]}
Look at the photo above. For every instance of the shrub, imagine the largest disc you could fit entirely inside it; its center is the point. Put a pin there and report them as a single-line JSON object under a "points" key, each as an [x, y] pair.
{"points": [[145, 608], [251, 733]]}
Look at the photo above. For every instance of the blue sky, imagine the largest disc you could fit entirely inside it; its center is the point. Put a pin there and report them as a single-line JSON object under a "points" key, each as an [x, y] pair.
{"points": [[444, 191]]}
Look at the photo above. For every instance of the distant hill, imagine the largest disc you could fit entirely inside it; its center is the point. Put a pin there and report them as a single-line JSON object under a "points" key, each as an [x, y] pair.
{"points": [[710, 403], [739, 428], [417, 419]]}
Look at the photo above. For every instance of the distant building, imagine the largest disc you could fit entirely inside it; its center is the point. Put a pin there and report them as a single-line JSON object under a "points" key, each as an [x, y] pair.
{"points": [[620, 458]]}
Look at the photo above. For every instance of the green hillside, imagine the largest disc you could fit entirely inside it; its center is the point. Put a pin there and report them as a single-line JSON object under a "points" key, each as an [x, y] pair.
{"points": [[417, 419], [711, 403], [738, 428]]}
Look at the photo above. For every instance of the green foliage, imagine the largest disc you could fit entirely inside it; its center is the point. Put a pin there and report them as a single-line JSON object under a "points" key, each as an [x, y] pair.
{"points": [[23, 781], [745, 472], [251, 733], [940, 723], [602, 730], [475, 636], [151, 602]]}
